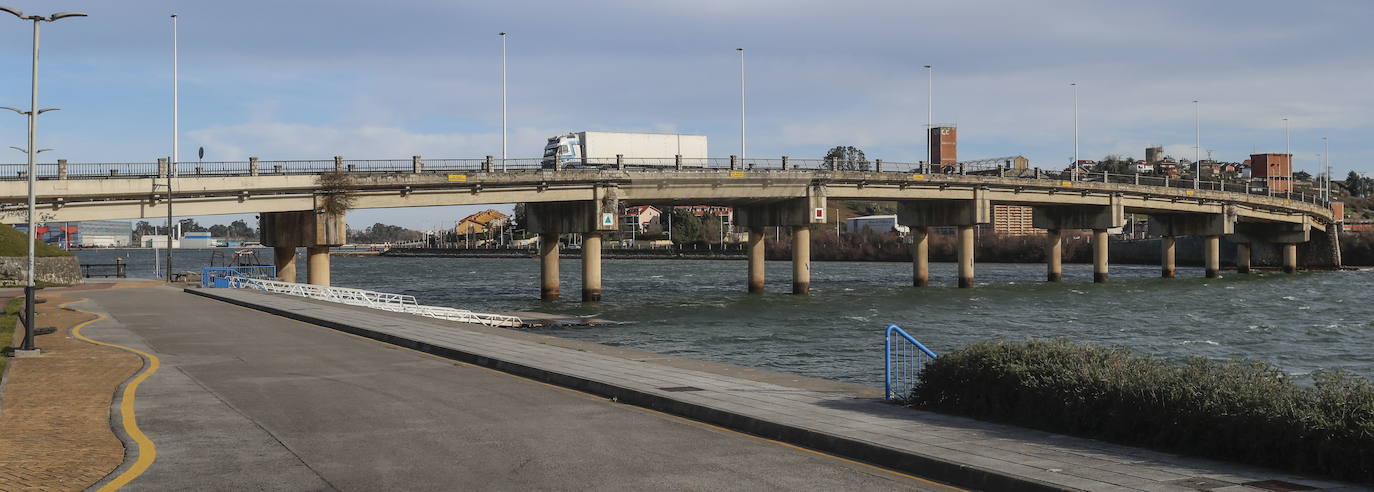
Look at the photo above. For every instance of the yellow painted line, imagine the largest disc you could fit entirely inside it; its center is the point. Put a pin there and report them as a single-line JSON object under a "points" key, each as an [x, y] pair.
{"points": [[918, 177], [147, 451], [737, 174], [457, 178]]}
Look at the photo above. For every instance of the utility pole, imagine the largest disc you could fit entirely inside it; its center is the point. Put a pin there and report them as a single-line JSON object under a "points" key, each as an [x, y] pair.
{"points": [[930, 115], [1074, 176]]}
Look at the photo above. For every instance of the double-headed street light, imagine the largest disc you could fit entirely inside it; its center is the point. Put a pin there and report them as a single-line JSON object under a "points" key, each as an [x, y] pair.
{"points": [[32, 150]]}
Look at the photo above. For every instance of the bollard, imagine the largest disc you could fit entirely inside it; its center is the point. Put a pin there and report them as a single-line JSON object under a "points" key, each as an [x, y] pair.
{"points": [[162, 167], [61, 169], [416, 166], [338, 164], [252, 166]]}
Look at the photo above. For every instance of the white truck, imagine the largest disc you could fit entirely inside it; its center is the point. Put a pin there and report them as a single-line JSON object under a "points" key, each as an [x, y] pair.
{"points": [[599, 149]]}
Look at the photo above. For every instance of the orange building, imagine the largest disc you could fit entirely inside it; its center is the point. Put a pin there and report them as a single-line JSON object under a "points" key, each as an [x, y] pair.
{"points": [[944, 148], [480, 222], [1276, 169]]}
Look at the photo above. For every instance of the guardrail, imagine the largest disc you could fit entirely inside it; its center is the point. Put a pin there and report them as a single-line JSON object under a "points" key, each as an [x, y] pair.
{"points": [[398, 303], [903, 359], [64, 170], [219, 276]]}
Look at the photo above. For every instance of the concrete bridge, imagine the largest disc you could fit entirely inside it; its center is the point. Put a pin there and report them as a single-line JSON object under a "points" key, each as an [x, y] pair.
{"points": [[293, 197]]}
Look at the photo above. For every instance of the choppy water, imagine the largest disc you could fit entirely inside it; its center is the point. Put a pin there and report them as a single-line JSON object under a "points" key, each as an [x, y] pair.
{"points": [[698, 308]]}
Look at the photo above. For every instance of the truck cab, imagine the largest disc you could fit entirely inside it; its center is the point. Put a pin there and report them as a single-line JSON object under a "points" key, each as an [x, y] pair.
{"points": [[562, 151]]}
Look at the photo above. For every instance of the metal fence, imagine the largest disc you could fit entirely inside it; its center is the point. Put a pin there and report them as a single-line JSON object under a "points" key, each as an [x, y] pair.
{"points": [[903, 359], [219, 276], [399, 303]]}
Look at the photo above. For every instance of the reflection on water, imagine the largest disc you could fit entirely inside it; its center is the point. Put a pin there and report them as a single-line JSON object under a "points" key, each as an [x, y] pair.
{"points": [[699, 308]]}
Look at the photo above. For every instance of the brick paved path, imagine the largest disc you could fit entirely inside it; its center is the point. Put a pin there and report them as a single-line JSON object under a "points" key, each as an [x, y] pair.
{"points": [[55, 408]]}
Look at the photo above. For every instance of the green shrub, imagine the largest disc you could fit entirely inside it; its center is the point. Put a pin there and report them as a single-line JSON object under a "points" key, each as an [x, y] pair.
{"points": [[1244, 411], [14, 243]]}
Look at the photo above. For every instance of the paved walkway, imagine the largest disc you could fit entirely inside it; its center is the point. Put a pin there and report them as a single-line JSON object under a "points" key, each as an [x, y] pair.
{"points": [[55, 408], [959, 450], [246, 400]]}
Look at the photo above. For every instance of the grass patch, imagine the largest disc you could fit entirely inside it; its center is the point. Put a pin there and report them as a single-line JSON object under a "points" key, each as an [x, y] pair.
{"points": [[8, 319], [1244, 411], [15, 243]]}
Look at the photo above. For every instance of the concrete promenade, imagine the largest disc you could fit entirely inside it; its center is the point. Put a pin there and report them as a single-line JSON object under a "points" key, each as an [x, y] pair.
{"points": [[834, 418], [246, 400]]}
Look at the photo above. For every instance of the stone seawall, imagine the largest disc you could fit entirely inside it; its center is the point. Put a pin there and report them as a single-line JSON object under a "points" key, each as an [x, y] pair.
{"points": [[64, 270]]}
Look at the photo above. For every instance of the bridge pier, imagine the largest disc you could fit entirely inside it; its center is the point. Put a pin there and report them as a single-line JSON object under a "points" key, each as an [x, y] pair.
{"points": [[801, 260], [920, 215], [1098, 218], [1100, 240], [317, 261], [548, 266], [1212, 255], [1290, 257], [1242, 258], [591, 266], [314, 230], [1167, 265], [591, 218], [284, 258], [965, 256], [756, 260], [1054, 255], [920, 256], [1208, 225]]}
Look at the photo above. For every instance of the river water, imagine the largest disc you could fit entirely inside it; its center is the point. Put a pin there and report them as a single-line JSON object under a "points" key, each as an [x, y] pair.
{"points": [[698, 308]]}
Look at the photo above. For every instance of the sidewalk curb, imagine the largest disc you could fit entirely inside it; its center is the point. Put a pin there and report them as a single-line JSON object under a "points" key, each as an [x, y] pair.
{"points": [[921, 465]]}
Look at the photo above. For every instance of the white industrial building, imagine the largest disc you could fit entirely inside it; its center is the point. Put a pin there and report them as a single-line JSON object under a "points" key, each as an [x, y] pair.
{"points": [[881, 224]]}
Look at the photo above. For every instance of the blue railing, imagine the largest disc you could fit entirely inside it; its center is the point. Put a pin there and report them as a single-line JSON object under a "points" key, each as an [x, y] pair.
{"points": [[903, 359], [219, 276]]}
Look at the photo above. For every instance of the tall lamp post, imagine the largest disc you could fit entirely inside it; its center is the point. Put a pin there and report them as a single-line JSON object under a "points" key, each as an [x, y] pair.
{"points": [[503, 101], [32, 150], [1326, 163], [1075, 131], [1197, 150], [742, 148], [1288, 151], [930, 112], [176, 148]]}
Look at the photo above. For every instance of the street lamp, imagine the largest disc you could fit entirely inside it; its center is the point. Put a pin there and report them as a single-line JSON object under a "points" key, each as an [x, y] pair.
{"points": [[1075, 130], [176, 141], [1288, 151], [1197, 150], [32, 150], [930, 111], [503, 101], [741, 105]]}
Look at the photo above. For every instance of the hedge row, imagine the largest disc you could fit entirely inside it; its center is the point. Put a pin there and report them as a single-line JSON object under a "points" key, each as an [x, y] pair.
{"points": [[1243, 411]]}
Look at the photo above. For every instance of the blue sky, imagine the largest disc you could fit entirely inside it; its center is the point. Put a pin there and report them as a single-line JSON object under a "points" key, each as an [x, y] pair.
{"points": [[314, 79]]}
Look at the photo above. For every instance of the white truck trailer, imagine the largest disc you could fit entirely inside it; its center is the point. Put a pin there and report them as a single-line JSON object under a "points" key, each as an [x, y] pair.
{"points": [[599, 149]]}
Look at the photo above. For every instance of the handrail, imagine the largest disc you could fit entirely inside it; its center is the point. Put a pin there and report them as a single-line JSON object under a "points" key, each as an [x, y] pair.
{"points": [[399, 303], [209, 274], [909, 356]]}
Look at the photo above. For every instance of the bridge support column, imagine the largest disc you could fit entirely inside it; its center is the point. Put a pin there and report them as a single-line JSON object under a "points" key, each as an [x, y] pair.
{"points": [[284, 257], [1100, 241], [965, 256], [591, 266], [548, 266], [920, 256], [1168, 267], [801, 260], [315, 230], [1242, 258], [1212, 255], [1290, 257], [756, 259], [1054, 255], [317, 260]]}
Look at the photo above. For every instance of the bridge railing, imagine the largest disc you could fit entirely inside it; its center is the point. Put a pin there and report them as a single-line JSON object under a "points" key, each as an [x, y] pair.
{"points": [[219, 276], [903, 359], [46, 171]]}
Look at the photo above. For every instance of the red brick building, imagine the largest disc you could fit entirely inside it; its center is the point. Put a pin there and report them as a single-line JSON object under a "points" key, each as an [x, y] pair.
{"points": [[944, 148], [1274, 169]]}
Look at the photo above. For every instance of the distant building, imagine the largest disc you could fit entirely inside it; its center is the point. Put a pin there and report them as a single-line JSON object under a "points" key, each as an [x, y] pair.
{"points": [[1141, 167], [87, 234], [481, 222], [639, 218], [944, 148], [701, 210], [1154, 154], [1014, 220], [1274, 169], [157, 241], [881, 224], [202, 239]]}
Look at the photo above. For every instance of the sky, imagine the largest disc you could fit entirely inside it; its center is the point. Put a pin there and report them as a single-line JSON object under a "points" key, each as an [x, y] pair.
{"points": [[379, 80]]}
